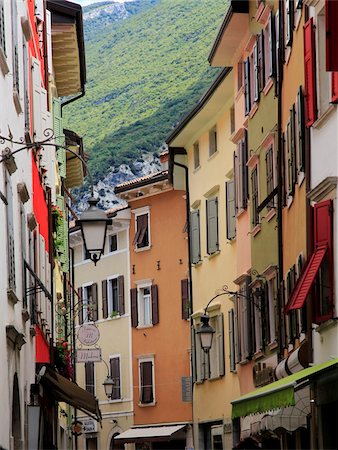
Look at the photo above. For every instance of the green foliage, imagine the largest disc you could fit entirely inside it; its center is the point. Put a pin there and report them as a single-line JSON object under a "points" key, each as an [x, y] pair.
{"points": [[143, 73]]}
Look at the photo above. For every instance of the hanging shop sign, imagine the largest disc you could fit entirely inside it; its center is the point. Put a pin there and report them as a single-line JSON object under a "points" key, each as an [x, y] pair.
{"points": [[88, 334], [89, 425], [84, 355]]}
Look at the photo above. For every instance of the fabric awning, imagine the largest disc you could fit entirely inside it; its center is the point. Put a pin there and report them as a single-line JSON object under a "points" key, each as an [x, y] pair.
{"points": [[69, 392], [155, 433], [279, 394], [306, 280]]}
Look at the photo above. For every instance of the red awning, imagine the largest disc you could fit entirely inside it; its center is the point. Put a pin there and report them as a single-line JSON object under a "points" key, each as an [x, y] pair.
{"points": [[306, 280]]}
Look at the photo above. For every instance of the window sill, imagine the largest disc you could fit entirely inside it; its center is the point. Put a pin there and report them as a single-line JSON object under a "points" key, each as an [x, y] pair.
{"points": [[327, 325], [197, 264], [268, 86], [272, 345], [213, 155], [146, 405], [142, 249], [258, 355], [212, 255], [253, 110], [143, 327], [3, 63], [196, 169], [217, 378], [241, 211], [322, 119], [243, 362], [11, 296], [271, 214], [257, 228]]}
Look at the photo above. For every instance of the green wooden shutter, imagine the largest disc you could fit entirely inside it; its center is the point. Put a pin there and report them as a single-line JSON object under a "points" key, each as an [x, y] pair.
{"points": [[230, 209], [195, 237], [212, 226], [59, 137], [62, 236]]}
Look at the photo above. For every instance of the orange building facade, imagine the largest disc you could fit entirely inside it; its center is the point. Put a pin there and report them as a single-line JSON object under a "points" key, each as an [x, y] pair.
{"points": [[159, 312]]}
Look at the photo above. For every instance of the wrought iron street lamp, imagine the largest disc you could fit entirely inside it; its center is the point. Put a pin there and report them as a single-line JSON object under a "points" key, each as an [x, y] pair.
{"points": [[206, 333], [108, 385]]}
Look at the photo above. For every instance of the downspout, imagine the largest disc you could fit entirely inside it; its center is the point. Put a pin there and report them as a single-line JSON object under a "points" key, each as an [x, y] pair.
{"points": [[280, 294], [71, 100]]}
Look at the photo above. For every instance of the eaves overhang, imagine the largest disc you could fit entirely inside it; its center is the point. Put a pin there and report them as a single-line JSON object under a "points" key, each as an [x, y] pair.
{"points": [[230, 34]]}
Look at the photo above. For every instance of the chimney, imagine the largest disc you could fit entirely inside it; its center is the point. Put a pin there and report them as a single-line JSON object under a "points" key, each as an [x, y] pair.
{"points": [[164, 159]]}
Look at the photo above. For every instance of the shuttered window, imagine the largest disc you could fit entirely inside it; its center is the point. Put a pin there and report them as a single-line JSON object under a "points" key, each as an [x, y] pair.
{"points": [[310, 73], [293, 147], [2, 29], [195, 236], [289, 158], [212, 225], [113, 307], [115, 372], [290, 14], [247, 93], [185, 299], [94, 302], [89, 303], [254, 188], [89, 377], [146, 382], [10, 234], [261, 60], [232, 356], [230, 209], [213, 141], [271, 67], [141, 238], [331, 19], [300, 130], [334, 87], [241, 173], [276, 20], [256, 71], [80, 306], [269, 164]]}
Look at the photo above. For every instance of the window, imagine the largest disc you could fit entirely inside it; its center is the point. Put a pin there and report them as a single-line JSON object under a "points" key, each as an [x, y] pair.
{"points": [[196, 155], [254, 188], [232, 354], [290, 15], [293, 323], [255, 74], [115, 372], [195, 236], [113, 296], [146, 371], [212, 225], [230, 209], [91, 443], [270, 49], [141, 239], [88, 301], [241, 173], [310, 73], [261, 44], [247, 86], [269, 163], [232, 120], [144, 306], [113, 243], [291, 163], [10, 233], [213, 141], [85, 253], [239, 75], [89, 377]]}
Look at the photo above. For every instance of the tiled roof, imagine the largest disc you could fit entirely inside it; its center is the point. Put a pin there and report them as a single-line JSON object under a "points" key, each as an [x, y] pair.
{"points": [[147, 179]]}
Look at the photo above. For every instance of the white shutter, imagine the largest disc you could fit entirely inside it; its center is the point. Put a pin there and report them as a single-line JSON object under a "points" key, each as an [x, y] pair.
{"points": [[37, 112], [39, 9], [49, 41], [232, 355]]}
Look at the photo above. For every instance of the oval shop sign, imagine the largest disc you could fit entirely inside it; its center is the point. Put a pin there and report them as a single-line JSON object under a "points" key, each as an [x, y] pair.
{"points": [[88, 334]]}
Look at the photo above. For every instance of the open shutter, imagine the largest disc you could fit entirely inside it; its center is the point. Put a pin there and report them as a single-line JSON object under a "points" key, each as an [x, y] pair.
{"points": [[272, 46], [331, 18], [146, 369], [185, 299], [323, 224], [220, 345], [334, 87], [310, 72], [289, 157], [134, 313], [300, 129], [94, 300], [235, 178], [116, 377], [231, 340], [195, 237], [230, 209], [293, 147], [245, 180], [247, 86], [120, 290], [236, 334], [212, 225], [277, 51], [80, 306], [290, 11], [104, 300], [154, 304], [256, 71], [261, 60]]}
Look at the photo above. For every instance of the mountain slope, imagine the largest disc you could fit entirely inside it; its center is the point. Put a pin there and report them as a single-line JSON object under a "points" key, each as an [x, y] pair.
{"points": [[144, 73]]}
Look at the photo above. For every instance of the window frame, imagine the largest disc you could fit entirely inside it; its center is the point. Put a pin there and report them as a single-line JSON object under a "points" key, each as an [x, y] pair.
{"points": [[109, 251], [116, 356], [140, 212], [213, 141], [140, 305], [145, 360], [110, 299], [85, 305]]}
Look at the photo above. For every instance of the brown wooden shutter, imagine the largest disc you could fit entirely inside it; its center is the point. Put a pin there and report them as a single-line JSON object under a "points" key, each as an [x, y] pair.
{"points": [[89, 377], [154, 304], [80, 306], [261, 60], [94, 302], [256, 71], [120, 289], [247, 93], [272, 46], [185, 299], [104, 300], [115, 375], [133, 307], [146, 375], [334, 87]]}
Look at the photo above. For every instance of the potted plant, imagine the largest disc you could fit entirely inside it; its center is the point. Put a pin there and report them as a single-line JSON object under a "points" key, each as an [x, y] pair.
{"points": [[62, 359], [114, 314]]}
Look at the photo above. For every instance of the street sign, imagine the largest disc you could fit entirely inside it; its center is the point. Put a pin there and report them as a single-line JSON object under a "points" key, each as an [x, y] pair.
{"points": [[84, 355], [88, 334]]}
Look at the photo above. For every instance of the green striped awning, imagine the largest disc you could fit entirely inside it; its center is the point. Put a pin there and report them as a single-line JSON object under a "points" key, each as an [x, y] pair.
{"points": [[279, 394]]}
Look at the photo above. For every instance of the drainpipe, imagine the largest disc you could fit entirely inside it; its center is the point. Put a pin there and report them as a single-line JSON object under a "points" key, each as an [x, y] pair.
{"points": [[71, 100], [280, 199]]}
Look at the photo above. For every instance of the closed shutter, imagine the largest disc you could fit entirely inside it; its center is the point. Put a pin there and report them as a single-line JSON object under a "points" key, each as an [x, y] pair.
{"points": [[80, 306], [310, 73], [231, 341], [331, 18], [193, 355], [293, 148], [323, 224], [272, 46], [230, 209], [212, 225], [104, 300], [94, 302], [334, 87], [59, 137], [116, 378], [154, 304], [195, 236], [89, 377], [146, 375], [238, 355], [261, 60], [133, 308], [236, 178], [120, 290], [290, 11], [245, 178], [185, 299], [220, 345], [247, 86], [256, 71], [300, 129]]}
